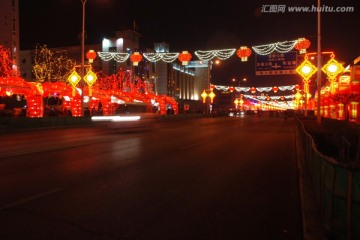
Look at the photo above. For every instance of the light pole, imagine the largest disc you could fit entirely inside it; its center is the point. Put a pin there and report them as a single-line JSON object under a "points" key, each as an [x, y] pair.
{"points": [[318, 117], [82, 56]]}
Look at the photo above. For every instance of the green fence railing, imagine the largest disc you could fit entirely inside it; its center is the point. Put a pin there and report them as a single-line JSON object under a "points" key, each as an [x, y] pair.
{"points": [[337, 189]]}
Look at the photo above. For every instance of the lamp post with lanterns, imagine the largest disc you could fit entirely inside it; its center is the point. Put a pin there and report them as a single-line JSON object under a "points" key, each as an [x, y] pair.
{"points": [[82, 55], [306, 69], [208, 94], [90, 78]]}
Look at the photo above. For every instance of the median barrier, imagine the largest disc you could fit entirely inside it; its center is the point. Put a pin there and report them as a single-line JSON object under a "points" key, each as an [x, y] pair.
{"points": [[336, 186]]}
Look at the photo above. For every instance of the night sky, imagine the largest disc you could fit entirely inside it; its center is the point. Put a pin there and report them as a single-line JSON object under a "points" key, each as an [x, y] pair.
{"points": [[193, 25]]}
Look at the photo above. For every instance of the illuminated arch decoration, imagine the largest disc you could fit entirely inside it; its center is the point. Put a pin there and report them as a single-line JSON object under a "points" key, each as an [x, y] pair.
{"points": [[118, 57], [166, 57], [220, 54], [281, 47], [17, 85]]}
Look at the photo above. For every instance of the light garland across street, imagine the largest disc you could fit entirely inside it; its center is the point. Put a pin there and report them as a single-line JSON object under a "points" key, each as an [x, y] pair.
{"points": [[205, 55], [259, 89]]}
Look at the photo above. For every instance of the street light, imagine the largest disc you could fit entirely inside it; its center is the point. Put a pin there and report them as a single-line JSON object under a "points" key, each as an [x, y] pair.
{"points": [[82, 55]]}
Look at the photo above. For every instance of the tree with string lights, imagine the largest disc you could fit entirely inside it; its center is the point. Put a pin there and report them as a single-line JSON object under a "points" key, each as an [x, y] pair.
{"points": [[51, 66], [5, 62]]}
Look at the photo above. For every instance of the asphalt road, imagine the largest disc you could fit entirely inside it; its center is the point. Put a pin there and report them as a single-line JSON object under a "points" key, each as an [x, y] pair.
{"points": [[213, 178]]}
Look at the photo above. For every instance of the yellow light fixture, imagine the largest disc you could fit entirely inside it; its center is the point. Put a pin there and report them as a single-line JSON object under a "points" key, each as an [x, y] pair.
{"points": [[211, 96], [90, 78], [332, 68], [204, 95], [74, 78], [306, 69], [298, 96]]}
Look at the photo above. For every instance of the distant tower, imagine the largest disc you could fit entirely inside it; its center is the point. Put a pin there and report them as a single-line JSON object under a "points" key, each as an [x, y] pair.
{"points": [[9, 29]]}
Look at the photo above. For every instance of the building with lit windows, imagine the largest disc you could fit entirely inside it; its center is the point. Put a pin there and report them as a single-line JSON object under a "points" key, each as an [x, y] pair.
{"points": [[9, 25]]}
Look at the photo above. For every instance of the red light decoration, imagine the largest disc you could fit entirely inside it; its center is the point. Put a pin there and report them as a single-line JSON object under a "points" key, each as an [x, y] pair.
{"points": [[253, 90], [231, 89], [302, 44], [275, 89], [212, 86], [185, 57], [91, 55], [136, 58], [297, 87], [243, 52]]}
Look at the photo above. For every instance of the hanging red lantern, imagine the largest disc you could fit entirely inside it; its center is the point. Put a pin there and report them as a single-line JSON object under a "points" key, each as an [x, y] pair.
{"points": [[297, 87], [231, 89], [91, 55], [185, 57], [243, 52], [302, 44], [212, 87], [136, 58], [275, 89], [253, 90]]}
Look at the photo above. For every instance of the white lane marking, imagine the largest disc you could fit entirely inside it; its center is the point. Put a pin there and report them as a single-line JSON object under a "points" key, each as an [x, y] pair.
{"points": [[32, 198]]}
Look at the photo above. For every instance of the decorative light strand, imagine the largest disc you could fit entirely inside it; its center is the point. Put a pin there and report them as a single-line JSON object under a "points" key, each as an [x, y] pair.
{"points": [[262, 97], [242, 89], [118, 57], [281, 47], [221, 54], [166, 57], [259, 89]]}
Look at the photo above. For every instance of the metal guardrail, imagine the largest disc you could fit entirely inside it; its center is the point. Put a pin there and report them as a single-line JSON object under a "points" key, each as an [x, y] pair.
{"points": [[336, 187]]}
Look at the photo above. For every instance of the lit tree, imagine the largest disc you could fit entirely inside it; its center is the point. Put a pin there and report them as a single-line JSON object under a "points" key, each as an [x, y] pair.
{"points": [[51, 66], [5, 62]]}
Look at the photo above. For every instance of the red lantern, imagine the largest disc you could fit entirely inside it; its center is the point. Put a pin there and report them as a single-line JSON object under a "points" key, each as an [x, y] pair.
{"points": [[253, 90], [243, 52], [231, 89], [136, 58], [91, 55], [302, 44], [184, 57], [275, 89], [297, 87]]}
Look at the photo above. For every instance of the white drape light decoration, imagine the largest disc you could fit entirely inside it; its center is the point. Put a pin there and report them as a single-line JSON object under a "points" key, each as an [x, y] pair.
{"points": [[242, 89], [166, 57], [281, 47], [220, 54], [119, 57], [259, 89]]}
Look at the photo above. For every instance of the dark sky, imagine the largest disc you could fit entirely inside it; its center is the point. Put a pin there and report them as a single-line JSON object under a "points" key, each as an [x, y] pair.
{"points": [[193, 25]]}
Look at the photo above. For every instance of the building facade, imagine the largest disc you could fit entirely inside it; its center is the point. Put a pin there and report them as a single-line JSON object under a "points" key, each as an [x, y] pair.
{"points": [[9, 29]]}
